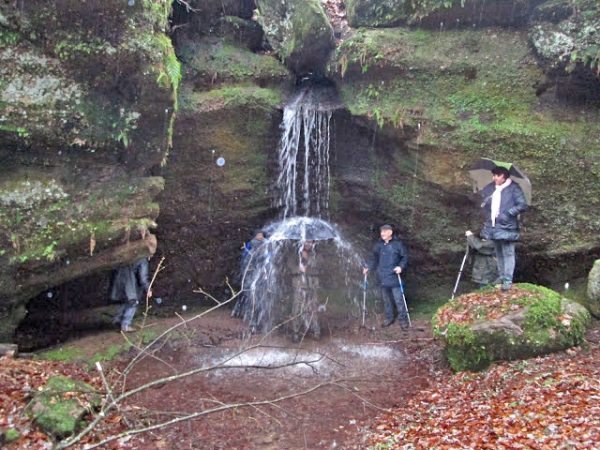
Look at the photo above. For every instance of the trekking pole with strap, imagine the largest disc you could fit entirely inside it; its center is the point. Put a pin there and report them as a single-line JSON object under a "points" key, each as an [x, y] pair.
{"points": [[404, 299], [364, 303], [462, 266]]}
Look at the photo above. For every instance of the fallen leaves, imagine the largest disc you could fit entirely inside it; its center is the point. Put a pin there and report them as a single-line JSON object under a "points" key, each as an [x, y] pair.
{"points": [[481, 305], [543, 403]]}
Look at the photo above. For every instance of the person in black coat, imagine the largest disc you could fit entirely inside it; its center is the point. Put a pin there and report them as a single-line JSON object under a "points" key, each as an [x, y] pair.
{"points": [[129, 284], [503, 201], [389, 259]]}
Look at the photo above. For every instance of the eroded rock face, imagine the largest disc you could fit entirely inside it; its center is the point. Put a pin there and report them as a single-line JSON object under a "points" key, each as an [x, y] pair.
{"points": [[440, 14], [567, 41], [488, 326], [86, 98], [299, 31]]}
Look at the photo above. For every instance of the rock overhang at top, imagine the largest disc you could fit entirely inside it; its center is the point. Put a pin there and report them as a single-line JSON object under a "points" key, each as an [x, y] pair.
{"points": [[299, 31]]}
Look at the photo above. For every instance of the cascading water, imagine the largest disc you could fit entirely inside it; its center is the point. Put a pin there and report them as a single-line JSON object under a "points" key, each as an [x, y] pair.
{"points": [[303, 179], [304, 262]]}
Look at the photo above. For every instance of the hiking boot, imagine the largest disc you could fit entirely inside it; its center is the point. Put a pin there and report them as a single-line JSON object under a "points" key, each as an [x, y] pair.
{"points": [[387, 323], [128, 329], [404, 323], [506, 286]]}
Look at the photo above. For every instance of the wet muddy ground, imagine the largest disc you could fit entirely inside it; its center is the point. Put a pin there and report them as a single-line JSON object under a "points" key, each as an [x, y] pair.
{"points": [[351, 374]]}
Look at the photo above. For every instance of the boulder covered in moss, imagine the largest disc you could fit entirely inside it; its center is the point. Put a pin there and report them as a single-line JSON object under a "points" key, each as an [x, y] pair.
{"points": [[491, 325], [593, 290], [212, 61], [59, 408], [299, 31]]}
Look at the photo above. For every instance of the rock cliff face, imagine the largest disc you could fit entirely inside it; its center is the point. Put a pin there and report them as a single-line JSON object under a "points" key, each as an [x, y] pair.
{"points": [[86, 97], [88, 101]]}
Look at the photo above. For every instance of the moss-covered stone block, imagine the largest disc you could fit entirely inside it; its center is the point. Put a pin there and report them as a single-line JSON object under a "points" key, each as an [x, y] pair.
{"points": [[212, 61], [299, 31], [593, 290], [491, 325], [62, 403], [441, 14]]}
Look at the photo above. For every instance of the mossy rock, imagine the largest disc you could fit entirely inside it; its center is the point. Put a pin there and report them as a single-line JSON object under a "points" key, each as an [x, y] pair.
{"points": [[451, 14], [491, 325], [60, 406], [213, 61], [9, 436], [565, 36], [299, 31], [460, 94], [593, 290]]}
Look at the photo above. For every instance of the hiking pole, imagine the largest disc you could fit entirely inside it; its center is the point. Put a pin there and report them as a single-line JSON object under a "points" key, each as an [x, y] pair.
{"points": [[404, 299], [364, 304], [462, 266]]}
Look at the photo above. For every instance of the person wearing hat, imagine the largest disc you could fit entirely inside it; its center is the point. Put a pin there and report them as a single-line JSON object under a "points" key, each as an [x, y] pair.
{"points": [[503, 201], [389, 259]]}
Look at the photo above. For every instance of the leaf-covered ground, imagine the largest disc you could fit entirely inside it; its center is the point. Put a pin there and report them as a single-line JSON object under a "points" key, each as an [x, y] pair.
{"points": [[544, 403]]}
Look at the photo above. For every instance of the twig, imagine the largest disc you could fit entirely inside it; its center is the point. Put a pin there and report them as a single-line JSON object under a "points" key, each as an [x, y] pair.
{"points": [[109, 392]]}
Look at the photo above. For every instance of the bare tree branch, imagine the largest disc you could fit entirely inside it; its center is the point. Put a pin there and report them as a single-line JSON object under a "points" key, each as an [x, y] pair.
{"points": [[195, 415]]}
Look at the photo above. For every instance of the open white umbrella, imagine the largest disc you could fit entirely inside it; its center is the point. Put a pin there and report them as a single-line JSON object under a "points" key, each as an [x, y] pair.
{"points": [[481, 175]]}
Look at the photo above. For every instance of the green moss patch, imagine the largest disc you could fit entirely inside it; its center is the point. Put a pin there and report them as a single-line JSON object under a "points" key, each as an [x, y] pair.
{"points": [[213, 61], [60, 406]]}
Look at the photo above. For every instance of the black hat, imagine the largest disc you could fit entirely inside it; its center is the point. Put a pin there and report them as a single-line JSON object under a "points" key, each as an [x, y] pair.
{"points": [[387, 226]]}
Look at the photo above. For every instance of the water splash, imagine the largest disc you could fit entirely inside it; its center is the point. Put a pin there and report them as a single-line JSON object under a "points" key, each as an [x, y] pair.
{"points": [[305, 266], [272, 273]]}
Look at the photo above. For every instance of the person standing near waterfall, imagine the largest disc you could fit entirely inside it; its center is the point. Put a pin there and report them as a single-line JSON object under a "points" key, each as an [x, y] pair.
{"points": [[503, 201], [389, 259], [305, 283]]}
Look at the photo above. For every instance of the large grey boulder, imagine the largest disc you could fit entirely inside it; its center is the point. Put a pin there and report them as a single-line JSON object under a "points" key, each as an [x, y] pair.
{"points": [[486, 326], [593, 289], [299, 31]]}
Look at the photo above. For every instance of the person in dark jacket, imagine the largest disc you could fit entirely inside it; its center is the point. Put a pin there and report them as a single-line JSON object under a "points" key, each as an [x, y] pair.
{"points": [[129, 284], [485, 268], [503, 201], [389, 259]]}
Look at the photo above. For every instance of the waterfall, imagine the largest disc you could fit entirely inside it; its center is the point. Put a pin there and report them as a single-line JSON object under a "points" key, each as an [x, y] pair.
{"points": [[304, 177], [304, 261]]}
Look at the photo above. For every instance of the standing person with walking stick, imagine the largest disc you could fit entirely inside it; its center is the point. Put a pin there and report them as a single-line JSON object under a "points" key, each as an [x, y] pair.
{"points": [[389, 259]]}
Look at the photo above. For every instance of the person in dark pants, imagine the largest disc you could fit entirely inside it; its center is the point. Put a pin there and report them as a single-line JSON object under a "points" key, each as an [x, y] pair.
{"points": [[389, 259], [129, 284], [503, 201]]}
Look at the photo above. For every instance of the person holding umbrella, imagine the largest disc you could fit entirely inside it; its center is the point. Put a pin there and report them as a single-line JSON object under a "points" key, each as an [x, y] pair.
{"points": [[390, 259], [503, 201]]}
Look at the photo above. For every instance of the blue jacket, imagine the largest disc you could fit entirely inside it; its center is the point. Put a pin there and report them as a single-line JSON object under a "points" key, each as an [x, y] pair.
{"points": [[385, 258], [512, 203]]}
